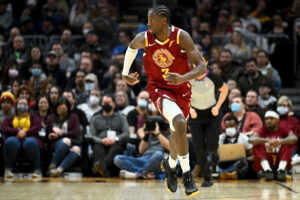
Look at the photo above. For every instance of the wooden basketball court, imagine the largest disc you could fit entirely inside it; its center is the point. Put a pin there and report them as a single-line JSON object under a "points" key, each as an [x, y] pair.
{"points": [[115, 188]]}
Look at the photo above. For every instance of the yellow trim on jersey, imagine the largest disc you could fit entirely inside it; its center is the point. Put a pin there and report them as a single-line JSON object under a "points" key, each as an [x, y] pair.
{"points": [[146, 40], [165, 42], [178, 34]]}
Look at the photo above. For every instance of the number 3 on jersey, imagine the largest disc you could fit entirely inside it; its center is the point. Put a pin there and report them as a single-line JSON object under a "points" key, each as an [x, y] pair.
{"points": [[165, 70]]}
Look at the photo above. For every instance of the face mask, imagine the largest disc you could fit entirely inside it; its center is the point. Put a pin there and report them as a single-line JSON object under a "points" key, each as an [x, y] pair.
{"points": [[22, 108], [230, 131], [13, 73], [35, 72], [107, 108], [152, 107], [235, 107], [94, 100], [282, 110], [85, 31], [142, 103], [89, 86]]}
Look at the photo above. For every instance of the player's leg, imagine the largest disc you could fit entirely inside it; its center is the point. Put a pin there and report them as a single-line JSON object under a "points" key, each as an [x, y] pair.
{"points": [[178, 125]]}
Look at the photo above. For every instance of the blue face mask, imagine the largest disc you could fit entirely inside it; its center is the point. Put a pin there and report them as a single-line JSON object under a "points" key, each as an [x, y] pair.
{"points": [[282, 110], [235, 107], [142, 103], [36, 72], [89, 86]]}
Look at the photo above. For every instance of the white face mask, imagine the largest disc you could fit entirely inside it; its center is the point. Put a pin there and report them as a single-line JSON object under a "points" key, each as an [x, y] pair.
{"points": [[231, 132], [94, 100], [152, 107]]}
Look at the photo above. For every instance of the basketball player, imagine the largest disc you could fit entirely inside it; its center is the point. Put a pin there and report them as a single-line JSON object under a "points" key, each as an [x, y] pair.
{"points": [[167, 49]]}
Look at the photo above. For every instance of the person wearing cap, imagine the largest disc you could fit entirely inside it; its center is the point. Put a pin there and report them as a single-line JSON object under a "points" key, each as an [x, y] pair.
{"points": [[272, 148], [265, 98], [25, 91], [98, 64], [91, 41], [53, 69], [7, 100]]}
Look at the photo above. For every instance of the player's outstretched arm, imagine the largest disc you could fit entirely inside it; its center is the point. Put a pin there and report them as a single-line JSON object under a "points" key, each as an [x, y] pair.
{"points": [[137, 43]]}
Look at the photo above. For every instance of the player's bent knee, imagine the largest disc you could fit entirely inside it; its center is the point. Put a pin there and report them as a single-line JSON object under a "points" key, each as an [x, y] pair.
{"points": [[179, 122], [67, 141]]}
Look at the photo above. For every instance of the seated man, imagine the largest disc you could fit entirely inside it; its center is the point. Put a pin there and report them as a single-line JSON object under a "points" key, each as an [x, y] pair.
{"points": [[272, 148], [109, 132], [151, 148], [237, 168]]}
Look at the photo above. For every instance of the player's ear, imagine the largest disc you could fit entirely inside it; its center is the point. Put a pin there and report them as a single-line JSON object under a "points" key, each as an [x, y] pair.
{"points": [[164, 20]]}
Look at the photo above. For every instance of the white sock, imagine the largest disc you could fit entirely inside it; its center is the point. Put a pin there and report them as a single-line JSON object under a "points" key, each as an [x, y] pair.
{"points": [[282, 165], [184, 162], [265, 165], [172, 162]]}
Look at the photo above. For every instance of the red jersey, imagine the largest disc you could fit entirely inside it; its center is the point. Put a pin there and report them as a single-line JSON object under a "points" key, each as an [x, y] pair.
{"points": [[163, 57]]}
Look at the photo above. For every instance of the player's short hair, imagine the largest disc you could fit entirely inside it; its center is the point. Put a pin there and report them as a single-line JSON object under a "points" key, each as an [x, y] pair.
{"points": [[161, 11]]}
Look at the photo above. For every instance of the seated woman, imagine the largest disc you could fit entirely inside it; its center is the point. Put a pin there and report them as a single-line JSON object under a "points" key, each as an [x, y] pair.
{"points": [[62, 131], [248, 121], [21, 134]]}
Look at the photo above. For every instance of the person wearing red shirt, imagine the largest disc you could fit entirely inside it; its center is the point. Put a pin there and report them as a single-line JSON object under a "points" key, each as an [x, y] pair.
{"points": [[167, 49], [272, 148]]}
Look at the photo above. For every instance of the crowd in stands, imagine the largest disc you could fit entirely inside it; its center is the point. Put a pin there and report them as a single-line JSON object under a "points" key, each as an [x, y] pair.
{"points": [[64, 104]]}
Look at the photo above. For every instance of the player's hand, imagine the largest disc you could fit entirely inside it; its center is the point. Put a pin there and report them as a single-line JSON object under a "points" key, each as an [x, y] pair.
{"points": [[174, 78], [131, 79], [215, 111]]}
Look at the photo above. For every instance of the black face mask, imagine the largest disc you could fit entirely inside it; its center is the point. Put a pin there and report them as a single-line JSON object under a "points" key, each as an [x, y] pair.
{"points": [[107, 108]]}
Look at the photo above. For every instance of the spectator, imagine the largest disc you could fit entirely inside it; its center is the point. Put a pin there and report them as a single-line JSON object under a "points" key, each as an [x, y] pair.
{"points": [[18, 52], [67, 43], [68, 94], [98, 63], [79, 14], [53, 69], [140, 110], [235, 169], [230, 69], [43, 109], [62, 130], [37, 78], [122, 103], [287, 120], [240, 50], [260, 12], [122, 86], [151, 149], [10, 73], [272, 149], [265, 99], [279, 26], [7, 101], [223, 26], [25, 91], [231, 84], [248, 121], [265, 67], [93, 105], [6, 19], [81, 90], [53, 96], [91, 82], [125, 37], [91, 43], [65, 63], [252, 104], [21, 134], [253, 78], [15, 86], [215, 68], [36, 56], [109, 131]]}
